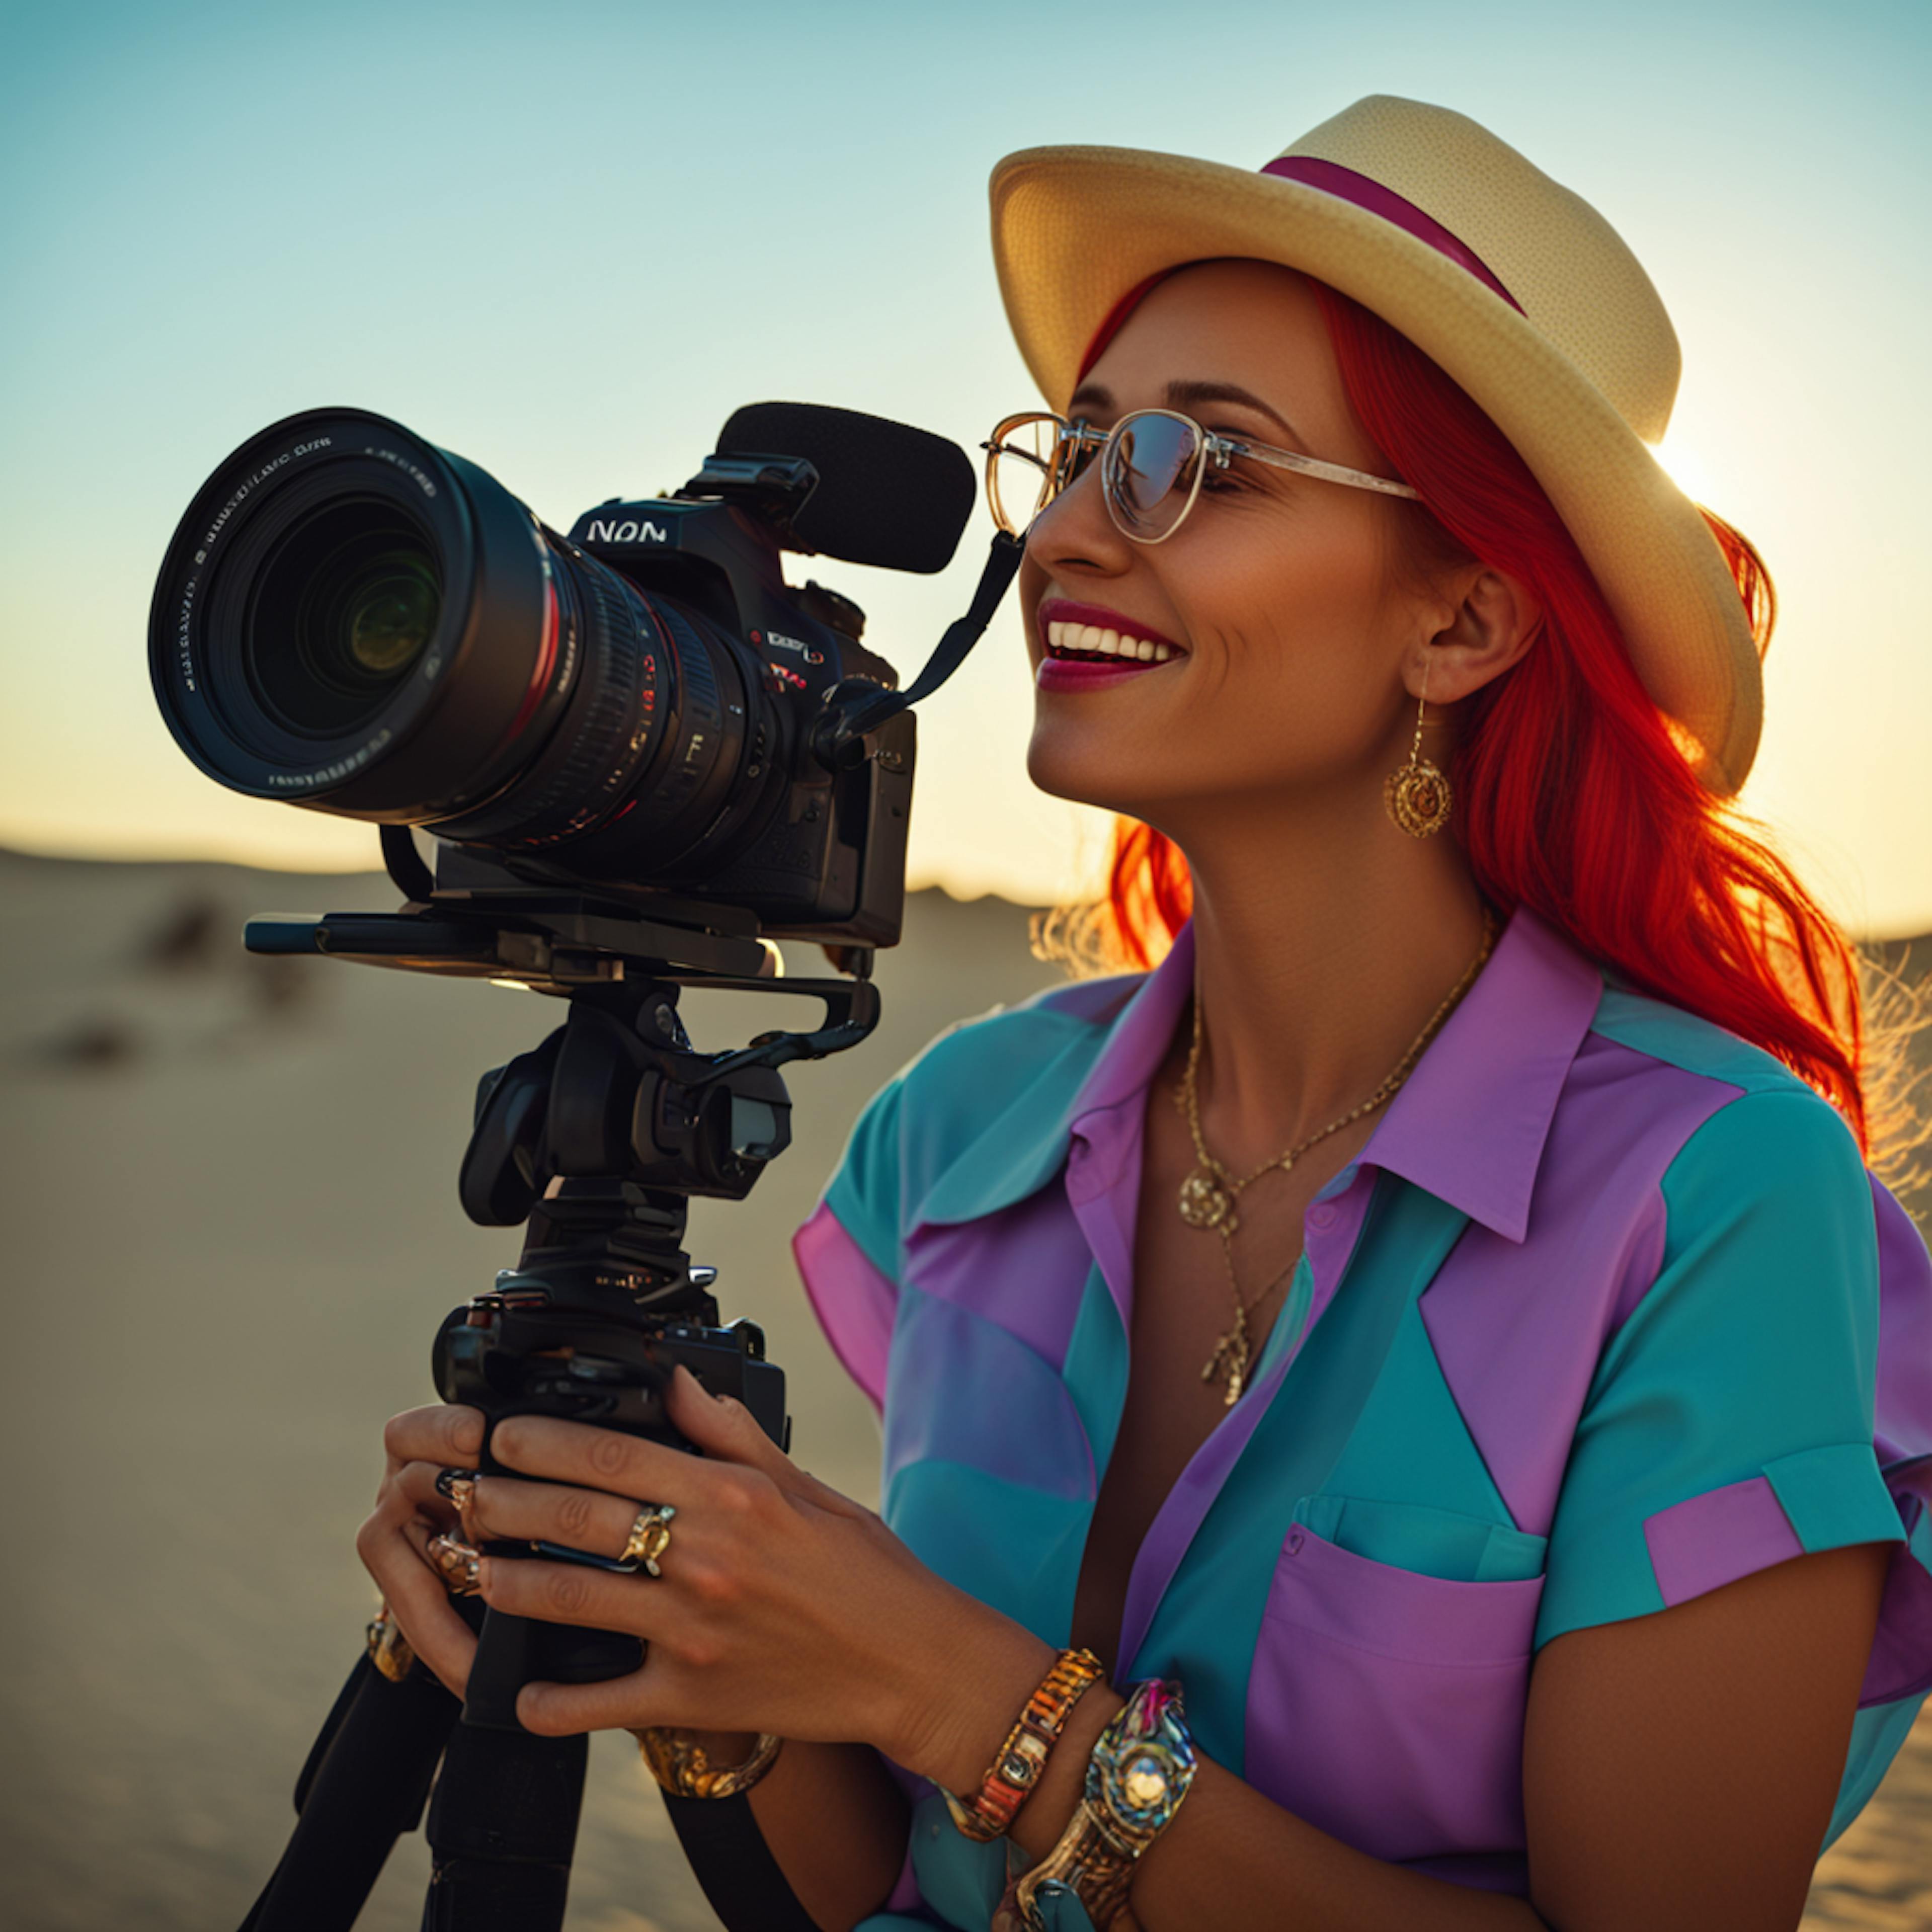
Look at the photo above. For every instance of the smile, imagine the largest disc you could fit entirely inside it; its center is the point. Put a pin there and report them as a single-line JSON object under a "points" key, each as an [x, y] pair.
{"points": [[1093, 640], [1086, 647]]}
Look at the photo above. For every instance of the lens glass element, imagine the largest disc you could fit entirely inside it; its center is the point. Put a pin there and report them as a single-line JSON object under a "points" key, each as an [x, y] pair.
{"points": [[344, 608]]}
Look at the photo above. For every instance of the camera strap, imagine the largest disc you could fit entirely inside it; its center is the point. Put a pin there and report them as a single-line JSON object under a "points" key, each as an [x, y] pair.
{"points": [[840, 739]]}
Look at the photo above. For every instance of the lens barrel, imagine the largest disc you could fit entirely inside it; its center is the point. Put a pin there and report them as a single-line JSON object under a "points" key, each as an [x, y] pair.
{"points": [[351, 620]]}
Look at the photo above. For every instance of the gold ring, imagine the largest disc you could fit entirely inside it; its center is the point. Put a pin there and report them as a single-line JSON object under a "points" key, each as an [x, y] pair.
{"points": [[649, 1537], [457, 1487], [455, 1562]]}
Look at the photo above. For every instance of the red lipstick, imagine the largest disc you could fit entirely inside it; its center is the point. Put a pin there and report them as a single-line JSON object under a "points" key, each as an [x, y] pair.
{"points": [[1086, 646]]}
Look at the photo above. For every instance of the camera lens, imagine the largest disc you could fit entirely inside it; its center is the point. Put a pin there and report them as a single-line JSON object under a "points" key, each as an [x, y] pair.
{"points": [[347, 603], [355, 621]]}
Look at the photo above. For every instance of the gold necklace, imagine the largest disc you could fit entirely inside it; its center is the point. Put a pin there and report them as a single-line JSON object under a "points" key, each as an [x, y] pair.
{"points": [[1209, 1192]]}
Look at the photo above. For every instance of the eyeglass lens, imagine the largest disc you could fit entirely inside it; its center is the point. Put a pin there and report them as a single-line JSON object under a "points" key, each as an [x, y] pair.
{"points": [[1148, 473], [1019, 472]]}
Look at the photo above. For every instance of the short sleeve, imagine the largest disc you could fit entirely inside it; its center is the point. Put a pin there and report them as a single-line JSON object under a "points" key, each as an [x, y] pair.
{"points": [[1729, 1424], [848, 1252]]}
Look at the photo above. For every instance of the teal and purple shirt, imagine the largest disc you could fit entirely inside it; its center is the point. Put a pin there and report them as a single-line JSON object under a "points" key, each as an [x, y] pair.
{"points": [[1608, 1313]]}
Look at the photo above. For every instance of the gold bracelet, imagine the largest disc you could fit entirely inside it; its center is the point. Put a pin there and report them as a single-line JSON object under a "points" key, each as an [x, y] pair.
{"points": [[388, 1649], [683, 1767]]}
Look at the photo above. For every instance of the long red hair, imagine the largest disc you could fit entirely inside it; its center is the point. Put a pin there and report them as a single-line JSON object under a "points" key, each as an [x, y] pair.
{"points": [[1572, 795]]}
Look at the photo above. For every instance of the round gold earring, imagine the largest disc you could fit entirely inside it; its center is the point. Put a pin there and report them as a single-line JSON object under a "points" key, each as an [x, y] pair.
{"points": [[1416, 793]]}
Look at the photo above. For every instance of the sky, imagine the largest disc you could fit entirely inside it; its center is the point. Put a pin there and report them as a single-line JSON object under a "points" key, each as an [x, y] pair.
{"points": [[567, 245]]}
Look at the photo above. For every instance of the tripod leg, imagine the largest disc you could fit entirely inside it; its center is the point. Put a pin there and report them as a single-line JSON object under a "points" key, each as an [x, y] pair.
{"points": [[502, 1828], [364, 1784]]}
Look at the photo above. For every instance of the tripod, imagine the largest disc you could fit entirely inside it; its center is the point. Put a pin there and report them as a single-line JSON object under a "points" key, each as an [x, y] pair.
{"points": [[598, 1138]]}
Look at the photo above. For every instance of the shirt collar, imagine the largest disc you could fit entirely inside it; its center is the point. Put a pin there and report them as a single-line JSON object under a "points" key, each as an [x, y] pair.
{"points": [[1469, 1126], [1140, 1035]]}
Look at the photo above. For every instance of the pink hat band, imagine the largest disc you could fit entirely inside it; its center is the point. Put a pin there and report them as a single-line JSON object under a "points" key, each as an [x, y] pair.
{"points": [[1347, 185]]}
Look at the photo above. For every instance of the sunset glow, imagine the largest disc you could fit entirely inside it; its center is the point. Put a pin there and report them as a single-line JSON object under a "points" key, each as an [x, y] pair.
{"points": [[214, 223]]}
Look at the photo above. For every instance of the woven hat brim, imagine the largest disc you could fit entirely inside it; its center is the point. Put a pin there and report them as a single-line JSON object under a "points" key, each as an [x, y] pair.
{"points": [[1074, 229]]}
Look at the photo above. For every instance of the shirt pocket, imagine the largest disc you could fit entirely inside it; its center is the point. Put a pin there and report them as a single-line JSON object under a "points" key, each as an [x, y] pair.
{"points": [[1386, 1704], [1440, 1543]]}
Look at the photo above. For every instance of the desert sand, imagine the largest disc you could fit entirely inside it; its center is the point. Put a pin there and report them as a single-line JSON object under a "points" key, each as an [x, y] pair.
{"points": [[230, 1186]]}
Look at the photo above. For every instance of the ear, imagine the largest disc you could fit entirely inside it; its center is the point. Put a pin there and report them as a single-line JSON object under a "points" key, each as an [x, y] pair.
{"points": [[1492, 620]]}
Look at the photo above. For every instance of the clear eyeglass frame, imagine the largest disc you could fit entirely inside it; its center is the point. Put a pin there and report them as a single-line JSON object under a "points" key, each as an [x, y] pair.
{"points": [[1039, 441]]}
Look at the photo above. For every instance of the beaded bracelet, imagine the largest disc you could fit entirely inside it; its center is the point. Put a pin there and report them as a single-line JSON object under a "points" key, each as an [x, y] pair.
{"points": [[1018, 1763]]}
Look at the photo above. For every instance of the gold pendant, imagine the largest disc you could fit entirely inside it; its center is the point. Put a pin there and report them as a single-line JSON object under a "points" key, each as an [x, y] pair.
{"points": [[1232, 1349], [1205, 1203]]}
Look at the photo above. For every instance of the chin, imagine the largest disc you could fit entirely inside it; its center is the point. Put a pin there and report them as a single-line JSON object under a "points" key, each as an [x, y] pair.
{"points": [[1076, 765]]}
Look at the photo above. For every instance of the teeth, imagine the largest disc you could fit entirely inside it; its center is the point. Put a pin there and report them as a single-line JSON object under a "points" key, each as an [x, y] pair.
{"points": [[1095, 641]]}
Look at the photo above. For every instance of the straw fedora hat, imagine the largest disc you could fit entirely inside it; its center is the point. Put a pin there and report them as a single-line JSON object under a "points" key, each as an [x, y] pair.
{"points": [[1514, 286]]}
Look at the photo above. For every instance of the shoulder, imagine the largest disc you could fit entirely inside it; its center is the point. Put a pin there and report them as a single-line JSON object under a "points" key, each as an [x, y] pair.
{"points": [[1755, 1191], [1750, 1122], [1035, 1055], [982, 1108], [1670, 1036]]}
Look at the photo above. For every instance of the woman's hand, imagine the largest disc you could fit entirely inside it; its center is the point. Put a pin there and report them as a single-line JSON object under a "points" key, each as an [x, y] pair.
{"points": [[393, 1543], [782, 1606]]}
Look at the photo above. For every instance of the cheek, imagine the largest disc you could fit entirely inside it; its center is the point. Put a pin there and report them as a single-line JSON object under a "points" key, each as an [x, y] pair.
{"points": [[1295, 643], [1292, 642]]}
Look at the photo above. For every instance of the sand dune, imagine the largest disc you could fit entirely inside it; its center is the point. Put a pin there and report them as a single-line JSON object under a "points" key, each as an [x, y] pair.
{"points": [[230, 1189]]}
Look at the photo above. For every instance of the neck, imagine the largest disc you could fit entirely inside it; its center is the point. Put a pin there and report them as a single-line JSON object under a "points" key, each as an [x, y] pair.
{"points": [[1324, 942]]}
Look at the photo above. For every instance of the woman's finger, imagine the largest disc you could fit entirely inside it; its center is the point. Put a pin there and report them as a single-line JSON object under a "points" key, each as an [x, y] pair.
{"points": [[416, 1483], [568, 1593], [418, 1599], [600, 1458], [723, 1427], [727, 1432], [614, 1703], [503, 1508], [445, 1432]]}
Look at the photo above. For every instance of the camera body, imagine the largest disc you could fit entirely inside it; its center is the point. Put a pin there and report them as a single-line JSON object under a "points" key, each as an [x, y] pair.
{"points": [[825, 858], [643, 713]]}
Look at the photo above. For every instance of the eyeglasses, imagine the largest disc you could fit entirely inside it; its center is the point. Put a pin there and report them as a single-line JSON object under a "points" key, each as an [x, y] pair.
{"points": [[1152, 464]]}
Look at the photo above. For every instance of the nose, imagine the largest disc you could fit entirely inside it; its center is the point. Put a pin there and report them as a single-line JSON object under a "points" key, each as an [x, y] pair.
{"points": [[1075, 534]]}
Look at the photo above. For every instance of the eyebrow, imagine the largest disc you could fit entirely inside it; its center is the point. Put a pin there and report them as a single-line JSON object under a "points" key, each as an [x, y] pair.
{"points": [[1183, 394]]}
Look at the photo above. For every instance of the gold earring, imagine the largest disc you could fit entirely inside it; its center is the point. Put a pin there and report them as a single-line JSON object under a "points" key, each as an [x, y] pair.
{"points": [[1416, 793]]}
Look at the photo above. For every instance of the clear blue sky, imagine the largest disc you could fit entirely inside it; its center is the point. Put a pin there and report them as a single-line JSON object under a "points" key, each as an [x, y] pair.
{"points": [[567, 243]]}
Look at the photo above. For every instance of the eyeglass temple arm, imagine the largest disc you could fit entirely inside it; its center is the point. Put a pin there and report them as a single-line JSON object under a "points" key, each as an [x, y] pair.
{"points": [[1315, 466], [855, 708]]}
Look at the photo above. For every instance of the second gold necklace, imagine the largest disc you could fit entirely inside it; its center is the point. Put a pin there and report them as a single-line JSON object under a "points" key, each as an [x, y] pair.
{"points": [[1209, 1193]]}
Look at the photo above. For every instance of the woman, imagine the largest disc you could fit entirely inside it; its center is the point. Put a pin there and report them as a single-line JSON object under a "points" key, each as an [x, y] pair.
{"points": [[1431, 1351]]}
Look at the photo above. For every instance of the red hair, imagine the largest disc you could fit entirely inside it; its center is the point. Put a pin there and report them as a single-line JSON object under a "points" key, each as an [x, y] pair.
{"points": [[1572, 796]]}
